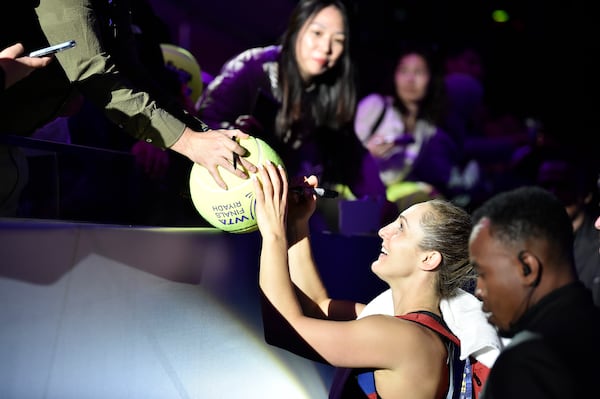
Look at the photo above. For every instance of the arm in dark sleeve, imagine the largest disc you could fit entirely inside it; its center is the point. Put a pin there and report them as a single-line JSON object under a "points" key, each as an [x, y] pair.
{"points": [[234, 91], [91, 68], [529, 371]]}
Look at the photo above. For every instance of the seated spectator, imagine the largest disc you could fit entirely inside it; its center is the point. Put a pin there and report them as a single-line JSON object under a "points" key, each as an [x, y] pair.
{"points": [[402, 131]]}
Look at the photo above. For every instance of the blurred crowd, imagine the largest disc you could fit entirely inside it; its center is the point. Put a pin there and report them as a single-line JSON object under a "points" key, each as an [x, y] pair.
{"points": [[431, 131]]}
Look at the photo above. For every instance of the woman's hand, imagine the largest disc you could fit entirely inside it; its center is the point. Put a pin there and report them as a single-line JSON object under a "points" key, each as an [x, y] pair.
{"points": [[271, 190], [379, 147], [302, 202]]}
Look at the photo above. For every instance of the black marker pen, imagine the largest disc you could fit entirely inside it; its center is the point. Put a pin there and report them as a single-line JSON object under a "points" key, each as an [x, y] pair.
{"points": [[318, 191]]}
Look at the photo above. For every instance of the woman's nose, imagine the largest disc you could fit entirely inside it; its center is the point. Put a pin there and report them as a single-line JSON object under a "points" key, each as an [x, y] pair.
{"points": [[324, 44], [383, 232]]}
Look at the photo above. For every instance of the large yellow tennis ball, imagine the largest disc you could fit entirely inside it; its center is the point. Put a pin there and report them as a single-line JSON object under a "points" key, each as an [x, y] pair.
{"points": [[231, 210]]}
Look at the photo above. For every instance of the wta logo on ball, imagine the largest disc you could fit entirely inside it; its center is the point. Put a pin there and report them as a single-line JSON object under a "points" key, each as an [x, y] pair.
{"points": [[232, 210], [234, 214]]}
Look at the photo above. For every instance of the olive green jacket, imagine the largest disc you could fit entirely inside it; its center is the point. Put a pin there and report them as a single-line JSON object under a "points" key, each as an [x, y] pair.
{"points": [[87, 69]]}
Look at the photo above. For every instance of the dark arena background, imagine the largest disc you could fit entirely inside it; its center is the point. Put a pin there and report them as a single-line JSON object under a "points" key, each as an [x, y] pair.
{"points": [[92, 309]]}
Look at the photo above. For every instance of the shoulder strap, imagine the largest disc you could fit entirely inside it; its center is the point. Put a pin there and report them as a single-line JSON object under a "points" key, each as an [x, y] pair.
{"points": [[366, 379], [380, 117], [429, 321], [457, 367]]}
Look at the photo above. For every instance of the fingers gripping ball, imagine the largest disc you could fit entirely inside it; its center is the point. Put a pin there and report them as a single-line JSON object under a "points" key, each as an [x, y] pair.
{"points": [[231, 210]]}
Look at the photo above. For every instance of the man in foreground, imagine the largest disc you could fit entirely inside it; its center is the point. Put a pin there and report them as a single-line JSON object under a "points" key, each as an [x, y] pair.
{"points": [[522, 248]]}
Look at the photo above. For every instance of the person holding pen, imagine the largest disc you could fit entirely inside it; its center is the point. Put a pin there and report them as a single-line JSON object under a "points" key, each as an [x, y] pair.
{"points": [[90, 70]]}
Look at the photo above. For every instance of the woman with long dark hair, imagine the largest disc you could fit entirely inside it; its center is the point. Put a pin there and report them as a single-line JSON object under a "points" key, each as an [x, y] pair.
{"points": [[300, 96]]}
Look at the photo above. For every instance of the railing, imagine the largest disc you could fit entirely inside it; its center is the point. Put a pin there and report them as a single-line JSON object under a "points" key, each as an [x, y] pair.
{"points": [[76, 182]]}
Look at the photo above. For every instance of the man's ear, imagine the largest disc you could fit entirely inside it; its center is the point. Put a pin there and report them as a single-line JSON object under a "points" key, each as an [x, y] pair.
{"points": [[431, 260], [532, 267]]}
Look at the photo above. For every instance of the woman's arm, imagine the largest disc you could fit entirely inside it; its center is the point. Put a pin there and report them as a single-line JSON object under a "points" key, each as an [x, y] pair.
{"points": [[280, 304], [234, 91], [304, 273], [285, 323]]}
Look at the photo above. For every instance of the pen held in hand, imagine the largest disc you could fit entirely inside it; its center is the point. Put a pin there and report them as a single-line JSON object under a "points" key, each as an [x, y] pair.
{"points": [[318, 191], [235, 156]]}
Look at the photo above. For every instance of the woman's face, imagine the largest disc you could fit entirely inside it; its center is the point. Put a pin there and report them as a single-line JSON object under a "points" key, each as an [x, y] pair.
{"points": [[400, 247], [320, 43], [412, 77]]}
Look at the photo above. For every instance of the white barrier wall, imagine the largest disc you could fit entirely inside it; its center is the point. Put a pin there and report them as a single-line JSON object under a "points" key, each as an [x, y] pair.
{"points": [[97, 311]]}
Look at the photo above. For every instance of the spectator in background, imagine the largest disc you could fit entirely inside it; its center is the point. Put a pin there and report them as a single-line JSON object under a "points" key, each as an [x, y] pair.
{"points": [[522, 248], [403, 132], [464, 74], [486, 138], [89, 70], [573, 182], [300, 97]]}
